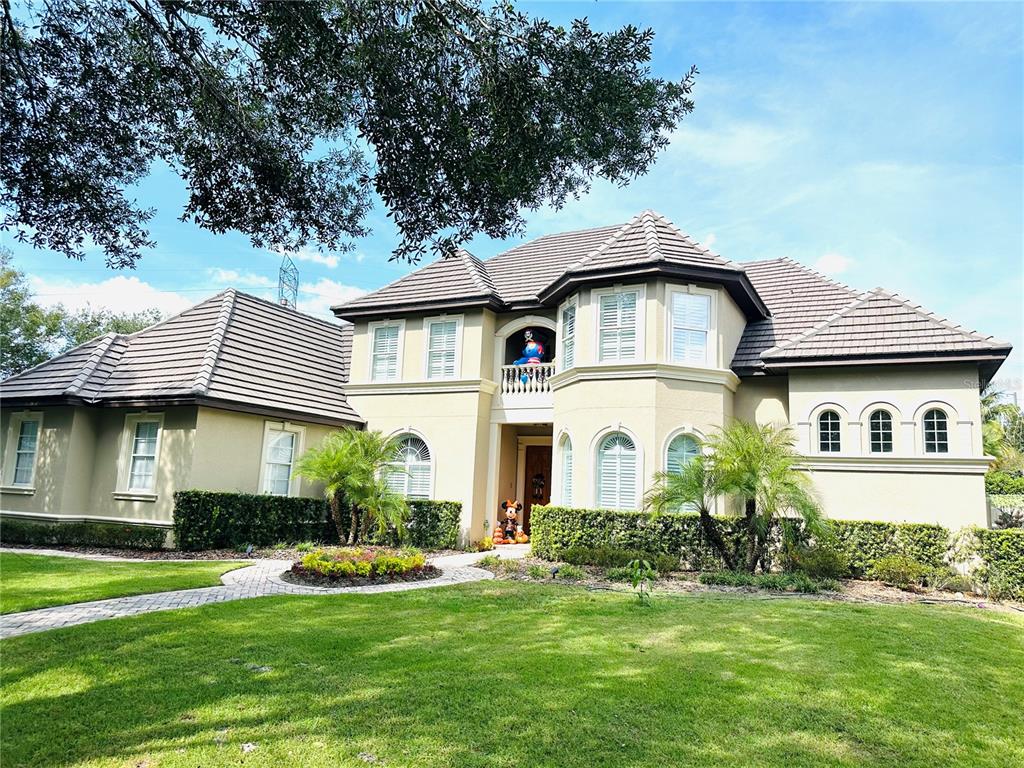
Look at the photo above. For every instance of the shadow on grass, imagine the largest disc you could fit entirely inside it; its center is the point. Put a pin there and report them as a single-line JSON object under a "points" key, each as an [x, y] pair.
{"points": [[511, 674]]}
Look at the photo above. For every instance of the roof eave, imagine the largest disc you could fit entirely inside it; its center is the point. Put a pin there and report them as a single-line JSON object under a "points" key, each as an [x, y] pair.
{"points": [[970, 356], [736, 282], [343, 312]]}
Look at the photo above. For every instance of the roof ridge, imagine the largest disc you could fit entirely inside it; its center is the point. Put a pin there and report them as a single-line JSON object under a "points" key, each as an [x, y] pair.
{"points": [[65, 353], [703, 249], [607, 243], [651, 238], [943, 321], [89, 367], [859, 301], [477, 272], [201, 383], [811, 271]]}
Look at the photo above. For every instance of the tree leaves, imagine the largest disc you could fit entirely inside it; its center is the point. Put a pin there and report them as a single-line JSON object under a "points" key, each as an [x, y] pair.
{"points": [[284, 118]]}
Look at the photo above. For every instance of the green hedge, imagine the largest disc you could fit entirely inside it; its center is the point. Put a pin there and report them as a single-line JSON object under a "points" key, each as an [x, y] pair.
{"points": [[1004, 483], [82, 534], [215, 520], [1002, 555], [555, 529], [431, 525]]}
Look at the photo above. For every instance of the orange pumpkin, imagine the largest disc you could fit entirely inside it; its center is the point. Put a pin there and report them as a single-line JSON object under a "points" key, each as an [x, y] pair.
{"points": [[522, 538]]}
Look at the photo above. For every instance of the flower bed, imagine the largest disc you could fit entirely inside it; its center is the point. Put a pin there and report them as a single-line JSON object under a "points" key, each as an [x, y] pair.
{"points": [[336, 567]]}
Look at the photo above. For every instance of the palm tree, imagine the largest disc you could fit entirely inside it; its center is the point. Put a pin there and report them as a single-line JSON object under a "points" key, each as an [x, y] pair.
{"points": [[758, 465], [353, 465], [1000, 429], [755, 464], [695, 485]]}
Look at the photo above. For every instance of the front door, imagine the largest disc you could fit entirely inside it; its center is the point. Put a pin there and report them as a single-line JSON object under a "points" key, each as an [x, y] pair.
{"points": [[537, 488]]}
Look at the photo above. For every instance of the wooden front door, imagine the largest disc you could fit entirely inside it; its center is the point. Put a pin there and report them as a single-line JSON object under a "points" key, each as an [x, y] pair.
{"points": [[537, 488]]}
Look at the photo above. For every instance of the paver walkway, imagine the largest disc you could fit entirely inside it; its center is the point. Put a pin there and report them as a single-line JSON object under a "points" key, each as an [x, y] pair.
{"points": [[261, 578]]}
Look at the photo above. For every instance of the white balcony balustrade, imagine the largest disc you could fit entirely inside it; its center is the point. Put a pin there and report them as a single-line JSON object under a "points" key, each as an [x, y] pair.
{"points": [[529, 381]]}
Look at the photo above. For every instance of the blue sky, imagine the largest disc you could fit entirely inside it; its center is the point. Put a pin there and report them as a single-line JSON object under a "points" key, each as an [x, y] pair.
{"points": [[881, 143]]}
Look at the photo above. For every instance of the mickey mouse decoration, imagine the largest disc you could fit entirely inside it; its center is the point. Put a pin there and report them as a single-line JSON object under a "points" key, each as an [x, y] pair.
{"points": [[510, 532]]}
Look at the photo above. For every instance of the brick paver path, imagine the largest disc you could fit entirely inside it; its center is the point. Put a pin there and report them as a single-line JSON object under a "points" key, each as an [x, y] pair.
{"points": [[261, 578]]}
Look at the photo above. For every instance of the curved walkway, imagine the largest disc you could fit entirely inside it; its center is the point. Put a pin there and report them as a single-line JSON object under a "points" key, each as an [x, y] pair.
{"points": [[260, 579]]}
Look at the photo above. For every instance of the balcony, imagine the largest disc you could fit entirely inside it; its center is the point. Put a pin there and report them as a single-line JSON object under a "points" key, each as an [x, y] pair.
{"points": [[524, 392]]}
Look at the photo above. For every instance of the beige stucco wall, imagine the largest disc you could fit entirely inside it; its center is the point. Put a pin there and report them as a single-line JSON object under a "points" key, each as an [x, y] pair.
{"points": [[763, 400], [80, 472]]}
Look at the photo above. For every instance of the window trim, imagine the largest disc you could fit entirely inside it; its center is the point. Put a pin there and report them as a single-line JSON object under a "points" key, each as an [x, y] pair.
{"points": [[432, 463], [924, 431], [871, 432], [711, 350], [300, 439], [565, 439], [560, 334], [124, 464], [371, 330], [641, 321], [11, 452], [839, 431], [457, 369], [595, 459]]}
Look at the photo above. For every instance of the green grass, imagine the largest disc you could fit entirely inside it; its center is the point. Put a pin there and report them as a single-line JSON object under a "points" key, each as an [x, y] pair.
{"points": [[520, 674], [35, 581]]}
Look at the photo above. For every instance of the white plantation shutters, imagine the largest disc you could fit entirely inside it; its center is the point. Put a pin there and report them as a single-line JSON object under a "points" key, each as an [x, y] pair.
{"points": [[410, 474], [442, 337], [385, 353], [568, 337], [691, 320], [616, 472], [681, 451], [566, 471], [143, 456], [277, 474], [617, 314]]}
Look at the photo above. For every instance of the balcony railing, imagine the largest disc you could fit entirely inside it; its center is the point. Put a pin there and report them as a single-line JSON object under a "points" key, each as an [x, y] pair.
{"points": [[528, 379]]}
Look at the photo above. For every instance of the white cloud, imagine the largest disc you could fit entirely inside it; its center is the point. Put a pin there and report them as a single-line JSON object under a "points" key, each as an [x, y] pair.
{"points": [[328, 260], [234, 278], [833, 264], [738, 145], [317, 298], [118, 294], [709, 240]]}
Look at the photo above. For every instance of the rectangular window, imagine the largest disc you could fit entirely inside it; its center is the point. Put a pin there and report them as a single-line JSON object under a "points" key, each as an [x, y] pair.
{"points": [[25, 452], [384, 365], [442, 338], [691, 321], [142, 464], [617, 324], [568, 337], [280, 455]]}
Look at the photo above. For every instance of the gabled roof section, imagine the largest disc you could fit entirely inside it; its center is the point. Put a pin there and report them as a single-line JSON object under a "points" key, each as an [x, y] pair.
{"points": [[879, 325], [232, 350], [460, 280]]}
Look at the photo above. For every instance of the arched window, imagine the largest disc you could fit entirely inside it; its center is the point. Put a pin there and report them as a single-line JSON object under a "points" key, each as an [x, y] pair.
{"points": [[566, 471], [880, 424], [411, 468], [681, 451], [828, 432], [616, 472], [936, 432]]}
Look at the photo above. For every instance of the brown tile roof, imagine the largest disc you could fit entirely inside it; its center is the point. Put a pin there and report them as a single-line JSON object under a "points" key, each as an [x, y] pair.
{"points": [[230, 349], [522, 275], [815, 319]]}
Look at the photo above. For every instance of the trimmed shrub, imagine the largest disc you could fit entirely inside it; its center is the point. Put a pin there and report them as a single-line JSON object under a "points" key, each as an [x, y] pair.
{"points": [[899, 571], [554, 530], [571, 572], [360, 563], [610, 557], [431, 525], [1004, 483], [116, 535], [820, 561], [1002, 567], [216, 520]]}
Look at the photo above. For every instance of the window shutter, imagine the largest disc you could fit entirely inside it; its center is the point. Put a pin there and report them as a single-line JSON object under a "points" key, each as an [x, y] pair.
{"points": [[567, 472], [608, 317], [617, 472], [627, 326], [568, 337], [691, 319], [410, 473], [681, 451], [385, 353], [441, 351]]}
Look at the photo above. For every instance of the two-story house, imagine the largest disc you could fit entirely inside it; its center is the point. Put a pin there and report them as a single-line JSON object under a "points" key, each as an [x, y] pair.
{"points": [[568, 369]]}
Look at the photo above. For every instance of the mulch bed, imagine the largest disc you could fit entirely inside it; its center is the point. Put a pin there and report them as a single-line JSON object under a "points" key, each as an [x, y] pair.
{"points": [[299, 575]]}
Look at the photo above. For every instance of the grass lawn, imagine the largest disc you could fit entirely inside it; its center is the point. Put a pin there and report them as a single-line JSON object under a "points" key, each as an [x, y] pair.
{"points": [[513, 674], [37, 581]]}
